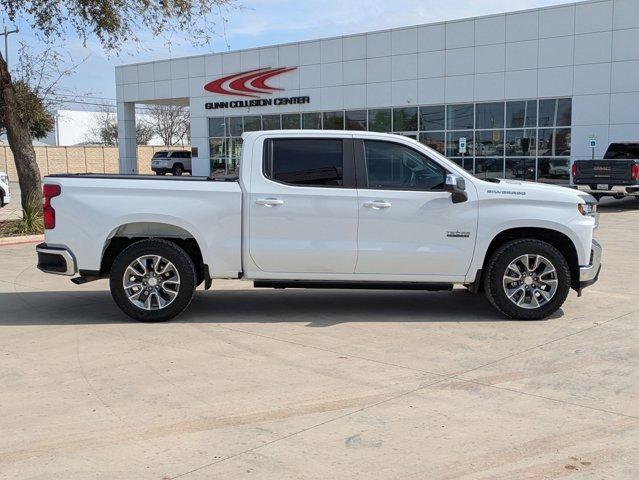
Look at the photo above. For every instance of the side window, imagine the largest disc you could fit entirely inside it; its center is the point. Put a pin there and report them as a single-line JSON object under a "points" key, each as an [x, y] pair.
{"points": [[306, 161], [394, 166]]}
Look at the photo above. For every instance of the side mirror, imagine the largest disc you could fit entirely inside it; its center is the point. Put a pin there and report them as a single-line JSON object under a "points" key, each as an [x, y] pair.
{"points": [[457, 186]]}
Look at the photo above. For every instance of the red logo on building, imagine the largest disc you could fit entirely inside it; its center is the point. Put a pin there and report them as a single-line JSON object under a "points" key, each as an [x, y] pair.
{"points": [[247, 84]]}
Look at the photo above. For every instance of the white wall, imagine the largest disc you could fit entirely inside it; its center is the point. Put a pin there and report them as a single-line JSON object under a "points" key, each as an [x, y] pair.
{"points": [[588, 51]]}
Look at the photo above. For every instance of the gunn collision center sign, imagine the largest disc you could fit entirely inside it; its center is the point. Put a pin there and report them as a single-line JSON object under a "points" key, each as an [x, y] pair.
{"points": [[251, 84]]}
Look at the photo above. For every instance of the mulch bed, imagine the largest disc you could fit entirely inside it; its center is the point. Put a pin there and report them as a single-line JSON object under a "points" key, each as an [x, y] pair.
{"points": [[10, 228]]}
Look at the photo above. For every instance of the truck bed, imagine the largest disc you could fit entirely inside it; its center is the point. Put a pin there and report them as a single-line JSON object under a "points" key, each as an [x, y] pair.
{"points": [[93, 208]]}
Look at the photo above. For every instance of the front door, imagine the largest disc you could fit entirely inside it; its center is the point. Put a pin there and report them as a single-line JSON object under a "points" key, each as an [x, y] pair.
{"points": [[303, 207], [408, 225]]}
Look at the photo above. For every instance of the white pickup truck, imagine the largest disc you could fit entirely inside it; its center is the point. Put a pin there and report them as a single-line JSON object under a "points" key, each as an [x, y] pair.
{"points": [[322, 209]]}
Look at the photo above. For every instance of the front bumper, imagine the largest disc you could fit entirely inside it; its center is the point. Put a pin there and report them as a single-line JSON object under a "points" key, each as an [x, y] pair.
{"points": [[56, 260], [590, 273]]}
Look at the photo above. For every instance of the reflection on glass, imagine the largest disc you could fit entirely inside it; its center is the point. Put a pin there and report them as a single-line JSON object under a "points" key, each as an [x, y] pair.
{"points": [[520, 143], [562, 142], [554, 170], [233, 155], [521, 114], [489, 168], [405, 119], [216, 127], [554, 142], [460, 117], [434, 140], [291, 121], [312, 121], [564, 112], [333, 120], [489, 143], [235, 126], [489, 115], [252, 123], [520, 168], [547, 112], [452, 143], [432, 117], [356, 120], [271, 122], [544, 142], [217, 147], [379, 120]]}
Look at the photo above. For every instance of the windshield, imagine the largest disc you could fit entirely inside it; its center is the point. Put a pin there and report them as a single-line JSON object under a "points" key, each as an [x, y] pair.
{"points": [[160, 154]]}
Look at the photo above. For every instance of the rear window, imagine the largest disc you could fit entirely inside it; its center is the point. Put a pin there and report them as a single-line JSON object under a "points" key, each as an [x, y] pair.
{"points": [[161, 154], [623, 151], [308, 162]]}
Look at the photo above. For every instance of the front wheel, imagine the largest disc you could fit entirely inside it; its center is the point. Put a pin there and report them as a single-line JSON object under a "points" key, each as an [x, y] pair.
{"points": [[527, 279], [152, 280]]}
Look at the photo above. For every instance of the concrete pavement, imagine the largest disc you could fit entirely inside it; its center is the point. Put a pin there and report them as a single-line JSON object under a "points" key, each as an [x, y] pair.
{"points": [[295, 384]]}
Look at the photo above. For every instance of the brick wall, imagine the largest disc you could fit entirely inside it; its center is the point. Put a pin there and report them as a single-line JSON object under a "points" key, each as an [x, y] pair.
{"points": [[80, 159]]}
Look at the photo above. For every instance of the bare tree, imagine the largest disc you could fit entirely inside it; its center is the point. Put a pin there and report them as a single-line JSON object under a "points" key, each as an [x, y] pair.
{"points": [[170, 123], [104, 129]]}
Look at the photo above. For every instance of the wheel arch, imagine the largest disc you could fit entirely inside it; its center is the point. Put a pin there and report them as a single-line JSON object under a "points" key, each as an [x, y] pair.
{"points": [[128, 233], [557, 239]]}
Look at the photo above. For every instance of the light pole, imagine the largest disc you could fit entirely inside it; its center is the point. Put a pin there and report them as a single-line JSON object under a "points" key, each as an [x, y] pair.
{"points": [[6, 34]]}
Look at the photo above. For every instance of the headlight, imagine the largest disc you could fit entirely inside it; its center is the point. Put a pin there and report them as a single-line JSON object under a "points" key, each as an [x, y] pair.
{"points": [[4, 178], [587, 209]]}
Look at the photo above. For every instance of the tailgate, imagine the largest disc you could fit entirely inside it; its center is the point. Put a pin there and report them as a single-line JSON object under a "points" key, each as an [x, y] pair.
{"points": [[610, 172]]}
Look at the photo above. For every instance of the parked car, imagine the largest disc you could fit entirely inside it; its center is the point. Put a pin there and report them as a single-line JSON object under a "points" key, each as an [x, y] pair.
{"points": [[5, 191], [322, 209], [617, 175], [171, 161]]}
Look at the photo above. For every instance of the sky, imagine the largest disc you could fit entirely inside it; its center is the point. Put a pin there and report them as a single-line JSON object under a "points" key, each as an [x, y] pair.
{"points": [[258, 23]]}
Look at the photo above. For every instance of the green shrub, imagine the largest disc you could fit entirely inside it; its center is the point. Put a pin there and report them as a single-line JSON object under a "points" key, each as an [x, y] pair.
{"points": [[32, 222]]}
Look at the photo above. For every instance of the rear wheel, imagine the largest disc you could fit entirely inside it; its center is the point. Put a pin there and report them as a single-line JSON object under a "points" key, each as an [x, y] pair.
{"points": [[178, 170], [527, 279], [152, 280]]}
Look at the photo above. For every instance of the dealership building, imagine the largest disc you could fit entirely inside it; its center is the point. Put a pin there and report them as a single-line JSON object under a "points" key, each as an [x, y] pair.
{"points": [[527, 92]]}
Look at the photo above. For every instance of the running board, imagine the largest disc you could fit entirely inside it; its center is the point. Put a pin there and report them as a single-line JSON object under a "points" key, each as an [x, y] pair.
{"points": [[352, 285]]}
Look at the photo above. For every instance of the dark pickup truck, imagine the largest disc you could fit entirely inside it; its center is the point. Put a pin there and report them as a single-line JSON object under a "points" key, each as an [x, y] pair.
{"points": [[617, 175]]}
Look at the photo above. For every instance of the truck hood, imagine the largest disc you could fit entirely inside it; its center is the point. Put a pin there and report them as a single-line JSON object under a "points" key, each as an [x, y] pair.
{"points": [[541, 191]]}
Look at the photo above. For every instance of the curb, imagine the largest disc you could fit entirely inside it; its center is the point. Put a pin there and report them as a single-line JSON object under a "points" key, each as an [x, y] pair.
{"points": [[7, 241]]}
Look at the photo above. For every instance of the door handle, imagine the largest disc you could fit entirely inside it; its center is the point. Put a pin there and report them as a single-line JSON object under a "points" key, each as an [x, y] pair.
{"points": [[377, 204], [269, 202]]}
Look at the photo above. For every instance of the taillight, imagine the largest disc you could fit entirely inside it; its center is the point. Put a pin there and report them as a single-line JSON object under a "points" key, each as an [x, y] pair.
{"points": [[574, 171], [634, 171], [48, 192]]}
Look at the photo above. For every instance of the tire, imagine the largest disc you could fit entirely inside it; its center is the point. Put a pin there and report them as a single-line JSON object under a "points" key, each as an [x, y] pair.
{"points": [[177, 170], [170, 281], [543, 281]]}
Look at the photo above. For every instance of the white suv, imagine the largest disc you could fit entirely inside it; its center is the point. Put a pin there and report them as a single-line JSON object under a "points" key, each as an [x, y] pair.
{"points": [[171, 161], [5, 193]]}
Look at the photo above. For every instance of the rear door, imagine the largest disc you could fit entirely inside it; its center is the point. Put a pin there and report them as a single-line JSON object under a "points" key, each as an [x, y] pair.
{"points": [[303, 206]]}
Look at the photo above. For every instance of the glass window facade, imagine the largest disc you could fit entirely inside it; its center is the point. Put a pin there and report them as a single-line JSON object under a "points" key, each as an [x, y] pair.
{"points": [[521, 139]]}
